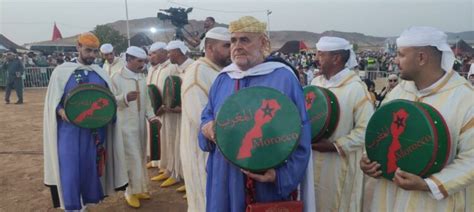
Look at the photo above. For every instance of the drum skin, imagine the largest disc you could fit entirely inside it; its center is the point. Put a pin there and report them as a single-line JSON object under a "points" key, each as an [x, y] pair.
{"points": [[90, 106], [257, 128]]}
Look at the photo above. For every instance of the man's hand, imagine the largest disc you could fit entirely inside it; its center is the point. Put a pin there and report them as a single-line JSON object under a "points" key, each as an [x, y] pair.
{"points": [[323, 145], [208, 131], [409, 181], [155, 120], [62, 114], [268, 177], [175, 110], [160, 111], [370, 168], [132, 96]]}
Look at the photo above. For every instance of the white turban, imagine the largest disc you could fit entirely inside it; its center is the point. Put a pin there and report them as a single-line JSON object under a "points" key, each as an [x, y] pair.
{"points": [[177, 44], [428, 36], [157, 45], [218, 33], [327, 44], [136, 52], [106, 48]]}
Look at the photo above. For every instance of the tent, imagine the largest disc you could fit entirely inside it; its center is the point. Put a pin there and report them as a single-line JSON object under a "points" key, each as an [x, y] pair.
{"points": [[462, 48], [8, 44], [60, 45], [293, 46]]}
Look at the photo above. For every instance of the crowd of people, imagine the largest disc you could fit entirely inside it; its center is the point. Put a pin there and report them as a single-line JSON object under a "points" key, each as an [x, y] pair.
{"points": [[82, 166]]}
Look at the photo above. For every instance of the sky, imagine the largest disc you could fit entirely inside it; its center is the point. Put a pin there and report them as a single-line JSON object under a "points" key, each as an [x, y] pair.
{"points": [[25, 21]]}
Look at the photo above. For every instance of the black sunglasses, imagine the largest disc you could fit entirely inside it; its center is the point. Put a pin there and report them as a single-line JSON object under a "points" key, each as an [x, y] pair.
{"points": [[392, 80]]}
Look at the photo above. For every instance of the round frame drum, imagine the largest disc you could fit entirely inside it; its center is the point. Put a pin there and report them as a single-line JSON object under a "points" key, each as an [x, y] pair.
{"points": [[90, 106], [172, 92], [412, 136], [155, 97], [323, 111]]}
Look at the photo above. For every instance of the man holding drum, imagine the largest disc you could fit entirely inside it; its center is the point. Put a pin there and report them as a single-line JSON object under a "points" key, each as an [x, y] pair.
{"points": [[194, 94], [177, 55], [81, 165], [134, 109], [158, 57], [425, 60], [226, 183], [337, 178]]}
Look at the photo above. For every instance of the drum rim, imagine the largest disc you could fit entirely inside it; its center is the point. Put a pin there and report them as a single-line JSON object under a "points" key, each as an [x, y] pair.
{"points": [[448, 137], [330, 130], [173, 90], [82, 87], [435, 139], [153, 89], [326, 131], [279, 163]]}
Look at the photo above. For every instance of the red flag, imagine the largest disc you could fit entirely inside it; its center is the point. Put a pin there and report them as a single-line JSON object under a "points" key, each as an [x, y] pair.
{"points": [[56, 33]]}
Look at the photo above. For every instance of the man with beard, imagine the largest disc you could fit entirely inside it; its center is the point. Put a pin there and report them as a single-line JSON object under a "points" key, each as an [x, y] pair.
{"points": [[225, 187], [70, 152], [112, 64], [426, 60], [158, 57], [177, 53], [197, 81], [337, 178], [134, 109]]}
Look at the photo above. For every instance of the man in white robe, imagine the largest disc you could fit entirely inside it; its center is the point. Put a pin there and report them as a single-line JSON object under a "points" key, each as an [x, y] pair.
{"points": [[112, 64], [134, 109], [157, 56], [425, 60], [338, 180], [197, 81], [70, 161], [168, 124], [177, 53]]}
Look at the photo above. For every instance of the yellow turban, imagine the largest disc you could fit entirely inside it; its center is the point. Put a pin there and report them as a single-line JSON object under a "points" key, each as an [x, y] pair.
{"points": [[88, 39], [247, 24]]}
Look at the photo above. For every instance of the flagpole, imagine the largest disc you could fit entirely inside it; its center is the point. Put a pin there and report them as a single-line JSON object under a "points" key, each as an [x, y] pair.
{"points": [[128, 28]]}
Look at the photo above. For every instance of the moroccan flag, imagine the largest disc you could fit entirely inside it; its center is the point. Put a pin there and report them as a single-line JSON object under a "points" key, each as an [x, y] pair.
{"points": [[56, 33]]}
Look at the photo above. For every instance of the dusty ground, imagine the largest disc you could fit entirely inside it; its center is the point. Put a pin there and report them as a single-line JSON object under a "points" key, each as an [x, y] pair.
{"points": [[21, 164]]}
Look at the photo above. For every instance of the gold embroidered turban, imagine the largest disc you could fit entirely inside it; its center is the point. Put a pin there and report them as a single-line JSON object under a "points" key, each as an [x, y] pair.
{"points": [[247, 24]]}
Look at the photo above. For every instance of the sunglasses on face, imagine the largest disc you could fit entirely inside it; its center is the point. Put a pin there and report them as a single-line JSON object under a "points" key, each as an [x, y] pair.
{"points": [[392, 80]]}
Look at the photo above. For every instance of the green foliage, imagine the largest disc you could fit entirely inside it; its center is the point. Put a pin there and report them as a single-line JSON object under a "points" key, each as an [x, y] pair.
{"points": [[107, 34]]}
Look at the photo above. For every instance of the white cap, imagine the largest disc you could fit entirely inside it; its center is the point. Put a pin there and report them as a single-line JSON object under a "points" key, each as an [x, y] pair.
{"points": [[218, 33], [106, 48], [177, 44], [428, 36], [137, 52], [327, 44], [157, 45]]}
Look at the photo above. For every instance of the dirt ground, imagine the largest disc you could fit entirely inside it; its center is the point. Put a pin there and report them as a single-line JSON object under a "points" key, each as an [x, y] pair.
{"points": [[21, 164]]}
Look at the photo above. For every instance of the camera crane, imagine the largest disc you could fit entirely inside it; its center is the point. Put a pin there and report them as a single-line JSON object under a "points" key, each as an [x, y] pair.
{"points": [[178, 17]]}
